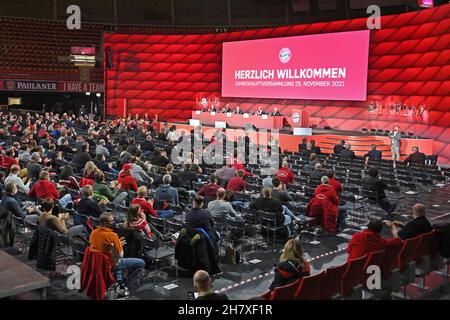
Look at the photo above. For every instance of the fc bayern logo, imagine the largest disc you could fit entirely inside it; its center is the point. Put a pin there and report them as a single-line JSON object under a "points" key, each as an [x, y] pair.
{"points": [[296, 117], [285, 55]]}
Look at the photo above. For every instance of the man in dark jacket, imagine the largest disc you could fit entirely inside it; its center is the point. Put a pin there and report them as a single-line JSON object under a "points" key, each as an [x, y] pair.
{"points": [[416, 158], [314, 149], [317, 173], [268, 204], [339, 147], [202, 282], [278, 193], [82, 156], [188, 175], [302, 146], [371, 182], [373, 154], [10, 203], [413, 228], [88, 206], [147, 146], [347, 153], [201, 218]]}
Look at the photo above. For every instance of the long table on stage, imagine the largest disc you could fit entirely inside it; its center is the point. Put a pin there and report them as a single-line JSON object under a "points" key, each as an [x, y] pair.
{"points": [[239, 120], [16, 277]]}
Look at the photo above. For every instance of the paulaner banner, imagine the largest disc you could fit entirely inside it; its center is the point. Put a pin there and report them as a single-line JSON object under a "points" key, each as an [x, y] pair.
{"points": [[52, 86], [331, 66]]}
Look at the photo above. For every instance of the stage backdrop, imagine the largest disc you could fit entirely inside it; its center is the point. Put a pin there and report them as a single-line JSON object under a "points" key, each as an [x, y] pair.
{"points": [[408, 63]]}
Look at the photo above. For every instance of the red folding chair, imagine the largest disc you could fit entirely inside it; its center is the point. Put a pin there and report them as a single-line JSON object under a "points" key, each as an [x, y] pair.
{"points": [[374, 259], [309, 288], [332, 282], [286, 292], [352, 278], [422, 256], [406, 263]]}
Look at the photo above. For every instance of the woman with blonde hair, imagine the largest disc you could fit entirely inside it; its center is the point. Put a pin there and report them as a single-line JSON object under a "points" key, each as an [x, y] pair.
{"points": [[90, 169], [292, 265]]}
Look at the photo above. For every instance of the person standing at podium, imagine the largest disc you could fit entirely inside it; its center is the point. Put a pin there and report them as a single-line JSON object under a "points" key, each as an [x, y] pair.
{"points": [[396, 137]]}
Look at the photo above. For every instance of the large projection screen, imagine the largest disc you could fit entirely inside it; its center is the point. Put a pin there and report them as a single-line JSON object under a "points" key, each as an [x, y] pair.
{"points": [[331, 66]]}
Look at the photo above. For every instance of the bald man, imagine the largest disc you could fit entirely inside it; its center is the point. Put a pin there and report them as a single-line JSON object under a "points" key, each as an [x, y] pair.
{"points": [[202, 282], [415, 227]]}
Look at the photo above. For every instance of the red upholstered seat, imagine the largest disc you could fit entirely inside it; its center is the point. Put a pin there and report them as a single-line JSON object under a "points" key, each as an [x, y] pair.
{"points": [[353, 275], [286, 292], [332, 282], [309, 288]]}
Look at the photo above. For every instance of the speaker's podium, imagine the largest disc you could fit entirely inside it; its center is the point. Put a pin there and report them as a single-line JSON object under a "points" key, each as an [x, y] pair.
{"points": [[299, 121]]}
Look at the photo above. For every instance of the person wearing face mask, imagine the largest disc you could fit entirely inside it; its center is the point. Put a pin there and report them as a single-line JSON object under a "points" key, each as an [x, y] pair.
{"points": [[11, 204]]}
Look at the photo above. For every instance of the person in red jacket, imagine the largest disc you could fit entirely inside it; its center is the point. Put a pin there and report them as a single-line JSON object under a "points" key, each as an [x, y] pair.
{"points": [[44, 188], [210, 190], [237, 184], [126, 180], [334, 182], [369, 241], [147, 205], [8, 160], [327, 190], [285, 175]]}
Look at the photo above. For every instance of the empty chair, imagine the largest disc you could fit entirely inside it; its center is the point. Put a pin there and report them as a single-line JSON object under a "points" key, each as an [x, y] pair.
{"points": [[422, 256], [332, 282], [159, 223], [173, 227], [374, 259], [269, 222], [406, 263], [309, 288], [389, 267], [352, 278]]}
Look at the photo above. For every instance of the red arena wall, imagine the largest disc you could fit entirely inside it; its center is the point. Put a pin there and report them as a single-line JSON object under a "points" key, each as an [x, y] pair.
{"points": [[408, 63]]}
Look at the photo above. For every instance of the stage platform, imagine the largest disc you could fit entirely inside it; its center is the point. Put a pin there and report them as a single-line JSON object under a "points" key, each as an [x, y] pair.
{"points": [[325, 139]]}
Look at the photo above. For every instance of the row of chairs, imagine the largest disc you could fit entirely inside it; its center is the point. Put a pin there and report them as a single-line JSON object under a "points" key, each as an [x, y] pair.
{"points": [[400, 264]]}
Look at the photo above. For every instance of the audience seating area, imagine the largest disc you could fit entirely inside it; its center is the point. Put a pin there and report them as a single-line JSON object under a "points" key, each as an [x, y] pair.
{"points": [[259, 231], [31, 48]]}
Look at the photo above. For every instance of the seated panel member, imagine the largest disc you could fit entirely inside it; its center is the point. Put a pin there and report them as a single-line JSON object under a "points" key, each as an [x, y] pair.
{"points": [[275, 112], [226, 109], [260, 111], [238, 110]]}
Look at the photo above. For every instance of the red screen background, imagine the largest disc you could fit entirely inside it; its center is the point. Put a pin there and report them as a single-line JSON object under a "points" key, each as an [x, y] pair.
{"points": [[408, 62]]}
